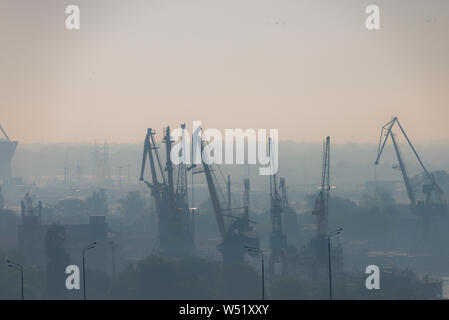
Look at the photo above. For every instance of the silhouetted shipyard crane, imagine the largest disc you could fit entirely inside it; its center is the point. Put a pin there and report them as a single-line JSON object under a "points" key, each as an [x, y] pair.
{"points": [[420, 207], [322, 201], [319, 244], [278, 240], [290, 223], [174, 225], [233, 229]]}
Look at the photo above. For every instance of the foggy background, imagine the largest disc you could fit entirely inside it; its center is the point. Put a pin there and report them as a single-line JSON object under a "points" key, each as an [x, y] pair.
{"points": [[307, 68]]}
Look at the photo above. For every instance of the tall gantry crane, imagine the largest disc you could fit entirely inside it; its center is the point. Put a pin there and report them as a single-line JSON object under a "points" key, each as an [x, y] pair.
{"points": [[290, 222], [419, 207], [322, 201], [319, 244], [278, 240], [233, 229], [175, 232]]}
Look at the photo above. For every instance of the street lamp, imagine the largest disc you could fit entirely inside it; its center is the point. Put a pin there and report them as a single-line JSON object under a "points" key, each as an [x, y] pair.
{"points": [[90, 246], [193, 210], [113, 247], [19, 267], [257, 250], [329, 236]]}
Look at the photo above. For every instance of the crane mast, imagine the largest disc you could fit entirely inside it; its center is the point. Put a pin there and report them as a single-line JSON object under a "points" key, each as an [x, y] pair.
{"points": [[215, 201], [154, 184], [246, 197], [284, 192], [181, 193], [408, 186], [169, 166], [278, 240], [276, 206], [228, 189], [322, 201]]}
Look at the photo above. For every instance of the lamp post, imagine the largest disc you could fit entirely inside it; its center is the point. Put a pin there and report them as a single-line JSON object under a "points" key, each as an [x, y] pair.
{"points": [[193, 211], [113, 246], [257, 250], [90, 246], [19, 267], [329, 236]]}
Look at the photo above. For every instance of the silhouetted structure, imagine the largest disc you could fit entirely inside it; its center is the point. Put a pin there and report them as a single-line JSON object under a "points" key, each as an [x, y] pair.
{"points": [[174, 225], [431, 187], [234, 235], [278, 240], [7, 149], [290, 223], [319, 245], [32, 235]]}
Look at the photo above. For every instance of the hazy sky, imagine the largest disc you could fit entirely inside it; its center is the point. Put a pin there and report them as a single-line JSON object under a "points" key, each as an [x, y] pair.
{"points": [[308, 68]]}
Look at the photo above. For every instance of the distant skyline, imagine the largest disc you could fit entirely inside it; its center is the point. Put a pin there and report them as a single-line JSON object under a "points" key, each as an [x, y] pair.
{"points": [[307, 68]]}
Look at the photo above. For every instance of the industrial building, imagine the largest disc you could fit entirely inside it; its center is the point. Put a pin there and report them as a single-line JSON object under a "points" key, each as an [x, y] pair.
{"points": [[32, 234]]}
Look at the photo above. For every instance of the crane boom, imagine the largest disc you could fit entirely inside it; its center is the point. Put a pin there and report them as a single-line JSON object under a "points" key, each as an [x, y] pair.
{"points": [[234, 235], [321, 202], [408, 186], [147, 152], [4, 133], [215, 201], [435, 186]]}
